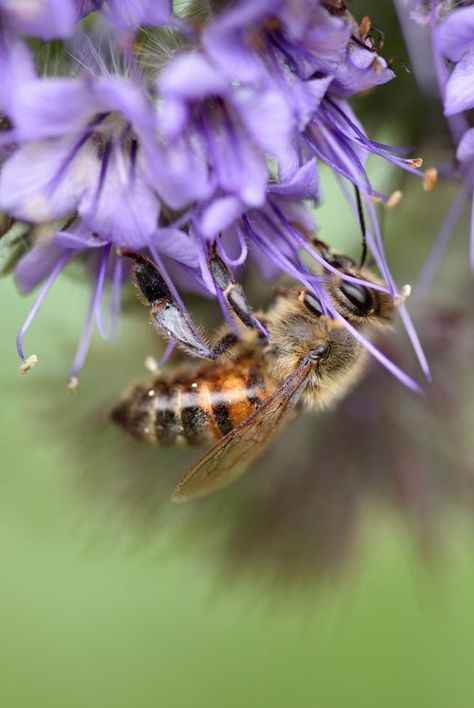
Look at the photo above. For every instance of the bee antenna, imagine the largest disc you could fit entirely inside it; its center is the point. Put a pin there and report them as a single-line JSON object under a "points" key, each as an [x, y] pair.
{"points": [[360, 214]]}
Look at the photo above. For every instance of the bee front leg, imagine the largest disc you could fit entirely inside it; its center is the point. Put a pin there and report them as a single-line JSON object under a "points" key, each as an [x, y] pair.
{"points": [[232, 291]]}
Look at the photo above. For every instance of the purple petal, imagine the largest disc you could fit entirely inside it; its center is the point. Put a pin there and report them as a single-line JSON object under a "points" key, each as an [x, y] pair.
{"points": [[303, 185], [131, 14], [178, 245], [189, 77], [76, 241], [233, 57], [29, 188], [16, 68], [115, 93], [459, 94], [51, 107], [465, 151], [361, 71], [126, 210], [306, 98], [220, 215], [85, 7], [239, 167], [46, 19], [173, 116], [321, 39], [456, 34], [295, 213], [226, 39], [181, 174], [35, 266], [268, 119]]}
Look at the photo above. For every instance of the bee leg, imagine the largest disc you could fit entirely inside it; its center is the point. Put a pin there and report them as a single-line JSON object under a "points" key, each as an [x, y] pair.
{"points": [[232, 292], [167, 316], [226, 343]]}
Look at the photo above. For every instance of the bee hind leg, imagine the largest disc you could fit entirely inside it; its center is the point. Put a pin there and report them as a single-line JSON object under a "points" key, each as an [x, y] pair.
{"points": [[167, 315]]}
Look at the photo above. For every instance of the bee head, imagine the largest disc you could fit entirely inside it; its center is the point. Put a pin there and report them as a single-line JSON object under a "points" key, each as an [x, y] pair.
{"points": [[359, 304]]}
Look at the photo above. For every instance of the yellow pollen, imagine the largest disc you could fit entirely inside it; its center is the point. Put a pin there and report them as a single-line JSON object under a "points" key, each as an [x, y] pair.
{"points": [[374, 199], [151, 364], [73, 385], [365, 27], [416, 162], [394, 199], [377, 66], [28, 364], [404, 293], [430, 179]]}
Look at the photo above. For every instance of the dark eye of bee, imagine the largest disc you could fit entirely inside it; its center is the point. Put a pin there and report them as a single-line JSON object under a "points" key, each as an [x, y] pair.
{"points": [[312, 304], [339, 261], [359, 296]]}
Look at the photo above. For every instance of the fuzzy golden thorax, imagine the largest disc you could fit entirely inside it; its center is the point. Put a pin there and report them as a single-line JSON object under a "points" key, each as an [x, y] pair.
{"points": [[295, 332]]}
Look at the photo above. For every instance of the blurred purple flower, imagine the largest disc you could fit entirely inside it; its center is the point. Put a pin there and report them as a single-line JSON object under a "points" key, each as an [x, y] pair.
{"points": [[452, 38], [16, 68], [127, 16], [46, 19], [455, 41], [84, 144]]}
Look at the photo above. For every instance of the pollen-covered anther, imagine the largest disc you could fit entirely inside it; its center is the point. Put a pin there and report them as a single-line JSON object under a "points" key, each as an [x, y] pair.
{"points": [[415, 162], [73, 385], [151, 364], [394, 199], [402, 296], [430, 179], [364, 27], [375, 199], [378, 66], [28, 364]]}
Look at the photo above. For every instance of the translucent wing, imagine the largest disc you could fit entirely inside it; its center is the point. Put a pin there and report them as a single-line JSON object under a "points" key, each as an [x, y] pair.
{"points": [[231, 456]]}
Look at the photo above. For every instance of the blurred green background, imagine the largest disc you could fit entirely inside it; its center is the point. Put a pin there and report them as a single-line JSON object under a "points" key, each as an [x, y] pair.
{"points": [[339, 573]]}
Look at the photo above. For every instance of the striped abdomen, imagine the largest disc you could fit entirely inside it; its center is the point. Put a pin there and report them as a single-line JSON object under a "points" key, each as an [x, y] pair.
{"points": [[193, 410]]}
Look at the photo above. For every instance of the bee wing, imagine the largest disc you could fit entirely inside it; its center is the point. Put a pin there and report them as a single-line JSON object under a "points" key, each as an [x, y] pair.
{"points": [[231, 456]]}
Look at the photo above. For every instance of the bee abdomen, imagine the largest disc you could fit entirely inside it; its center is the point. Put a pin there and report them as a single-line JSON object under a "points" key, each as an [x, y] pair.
{"points": [[205, 408]]}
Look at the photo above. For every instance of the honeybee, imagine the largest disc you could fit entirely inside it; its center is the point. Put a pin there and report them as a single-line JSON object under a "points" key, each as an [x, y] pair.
{"points": [[293, 357]]}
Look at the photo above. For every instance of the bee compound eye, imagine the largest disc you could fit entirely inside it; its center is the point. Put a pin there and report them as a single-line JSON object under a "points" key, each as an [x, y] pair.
{"points": [[312, 304], [359, 296], [337, 260]]}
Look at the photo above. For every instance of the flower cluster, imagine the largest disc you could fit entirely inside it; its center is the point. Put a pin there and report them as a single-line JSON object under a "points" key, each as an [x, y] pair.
{"points": [[166, 134], [452, 38]]}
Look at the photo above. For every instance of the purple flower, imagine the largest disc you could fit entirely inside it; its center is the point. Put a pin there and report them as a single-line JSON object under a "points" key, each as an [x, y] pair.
{"points": [[129, 15], [44, 263], [453, 41], [302, 33], [83, 146], [231, 130], [16, 68], [456, 42], [361, 70], [46, 19]]}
